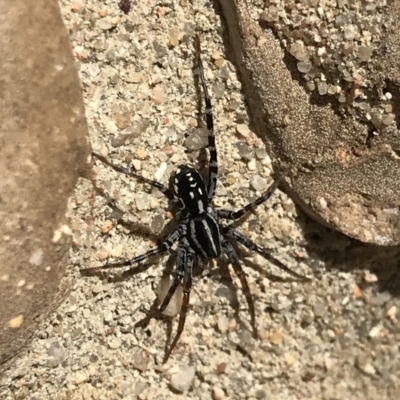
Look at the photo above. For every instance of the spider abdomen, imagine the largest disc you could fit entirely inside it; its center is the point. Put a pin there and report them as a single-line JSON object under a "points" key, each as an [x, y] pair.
{"points": [[204, 236], [191, 190]]}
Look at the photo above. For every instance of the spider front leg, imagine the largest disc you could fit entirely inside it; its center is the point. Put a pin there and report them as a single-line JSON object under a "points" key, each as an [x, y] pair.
{"points": [[234, 215], [213, 163], [245, 241], [167, 192], [161, 248], [234, 260]]}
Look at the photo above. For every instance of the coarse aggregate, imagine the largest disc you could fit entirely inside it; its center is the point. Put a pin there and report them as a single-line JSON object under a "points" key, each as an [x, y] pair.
{"points": [[334, 42], [334, 337]]}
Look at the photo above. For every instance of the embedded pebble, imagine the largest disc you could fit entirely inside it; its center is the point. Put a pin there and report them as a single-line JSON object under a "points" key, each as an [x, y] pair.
{"points": [[365, 53], [160, 171], [104, 24], [225, 73], [196, 140], [121, 116], [319, 309], [139, 388], [375, 331], [140, 360], [349, 32], [133, 76], [137, 165], [322, 88], [98, 288], [223, 322], [299, 51], [261, 154], [243, 130], [382, 298], [56, 353], [158, 94], [182, 380], [142, 202], [157, 223], [276, 337], [391, 313], [252, 165], [218, 393], [120, 140], [258, 183], [245, 151], [107, 226], [174, 37], [115, 343], [304, 66]]}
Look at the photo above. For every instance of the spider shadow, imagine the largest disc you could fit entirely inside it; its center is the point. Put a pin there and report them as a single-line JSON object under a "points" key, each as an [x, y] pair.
{"points": [[225, 276], [153, 311], [338, 252], [117, 214]]}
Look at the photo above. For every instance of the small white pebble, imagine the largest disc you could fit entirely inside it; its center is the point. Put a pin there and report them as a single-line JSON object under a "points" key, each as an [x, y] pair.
{"points": [[158, 94], [137, 164], [258, 183], [79, 378], [252, 166], [160, 171], [243, 130], [323, 203], [375, 331], [391, 313], [218, 393], [388, 96], [370, 277], [223, 323], [142, 202], [183, 379], [369, 369], [115, 343]]}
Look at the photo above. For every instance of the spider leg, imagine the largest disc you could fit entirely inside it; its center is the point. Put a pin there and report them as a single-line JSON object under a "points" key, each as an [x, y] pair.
{"points": [[161, 248], [246, 242], [181, 261], [233, 215], [167, 192], [234, 260], [184, 274], [213, 163]]}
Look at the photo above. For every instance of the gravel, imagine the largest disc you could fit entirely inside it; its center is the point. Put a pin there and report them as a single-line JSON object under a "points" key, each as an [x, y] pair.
{"points": [[333, 43], [334, 337]]}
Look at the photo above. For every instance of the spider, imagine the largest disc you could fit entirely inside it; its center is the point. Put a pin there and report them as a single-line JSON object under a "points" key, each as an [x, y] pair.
{"points": [[199, 233]]}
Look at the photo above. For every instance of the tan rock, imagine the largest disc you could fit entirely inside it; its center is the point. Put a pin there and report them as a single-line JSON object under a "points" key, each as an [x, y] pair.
{"points": [[329, 154], [44, 148]]}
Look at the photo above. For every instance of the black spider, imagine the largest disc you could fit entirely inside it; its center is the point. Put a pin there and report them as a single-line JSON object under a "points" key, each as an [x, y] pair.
{"points": [[199, 232]]}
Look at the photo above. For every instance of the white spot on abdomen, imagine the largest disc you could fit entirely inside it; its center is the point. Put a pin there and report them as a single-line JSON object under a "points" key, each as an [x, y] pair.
{"points": [[201, 207]]}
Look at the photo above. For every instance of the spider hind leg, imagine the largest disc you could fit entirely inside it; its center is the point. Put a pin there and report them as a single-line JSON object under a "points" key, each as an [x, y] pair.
{"points": [[234, 260], [246, 242]]}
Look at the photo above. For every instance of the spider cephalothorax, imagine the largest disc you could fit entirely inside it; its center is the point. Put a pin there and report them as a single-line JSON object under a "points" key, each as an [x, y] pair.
{"points": [[199, 232]]}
